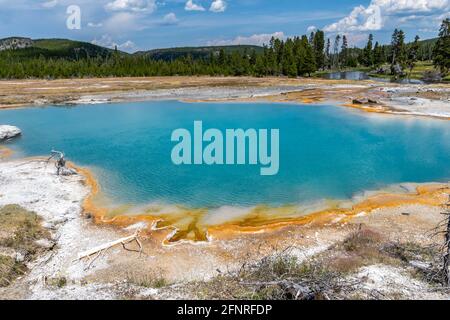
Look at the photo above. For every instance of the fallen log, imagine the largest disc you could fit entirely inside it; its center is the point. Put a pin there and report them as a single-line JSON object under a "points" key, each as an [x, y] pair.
{"points": [[99, 250]]}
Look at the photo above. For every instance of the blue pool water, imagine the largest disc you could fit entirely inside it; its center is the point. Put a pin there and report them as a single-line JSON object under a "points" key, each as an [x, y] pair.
{"points": [[326, 152]]}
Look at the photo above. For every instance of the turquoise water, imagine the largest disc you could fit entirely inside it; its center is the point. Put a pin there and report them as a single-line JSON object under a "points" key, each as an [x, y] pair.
{"points": [[326, 152]]}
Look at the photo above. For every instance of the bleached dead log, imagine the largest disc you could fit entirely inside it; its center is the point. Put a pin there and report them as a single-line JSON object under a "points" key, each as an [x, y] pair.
{"points": [[96, 252], [60, 164]]}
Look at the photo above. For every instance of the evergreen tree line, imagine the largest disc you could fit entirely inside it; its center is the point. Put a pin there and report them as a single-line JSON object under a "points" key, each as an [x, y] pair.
{"points": [[298, 56]]}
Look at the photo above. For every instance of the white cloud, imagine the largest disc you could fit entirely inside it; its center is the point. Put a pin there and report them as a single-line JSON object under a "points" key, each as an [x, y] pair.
{"points": [[50, 3], [379, 12], [256, 39], [311, 29], [132, 5], [394, 6], [357, 39], [107, 42], [218, 6], [121, 22], [128, 46], [191, 6], [360, 19], [170, 19]]}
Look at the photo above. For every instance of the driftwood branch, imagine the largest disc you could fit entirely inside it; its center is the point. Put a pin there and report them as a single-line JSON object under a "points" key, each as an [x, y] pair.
{"points": [[93, 254]]}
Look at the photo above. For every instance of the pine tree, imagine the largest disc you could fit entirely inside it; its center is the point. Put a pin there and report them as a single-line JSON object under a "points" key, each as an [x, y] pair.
{"points": [[337, 42], [441, 53], [344, 51], [378, 58], [328, 54], [319, 46], [412, 54], [288, 60], [309, 59], [260, 68], [398, 51], [368, 53]]}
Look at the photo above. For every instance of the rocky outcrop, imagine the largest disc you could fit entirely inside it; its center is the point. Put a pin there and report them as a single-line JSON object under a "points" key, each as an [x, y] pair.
{"points": [[8, 132], [15, 43]]}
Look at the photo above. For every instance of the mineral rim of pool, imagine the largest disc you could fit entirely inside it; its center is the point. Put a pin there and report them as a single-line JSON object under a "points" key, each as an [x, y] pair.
{"points": [[327, 153]]}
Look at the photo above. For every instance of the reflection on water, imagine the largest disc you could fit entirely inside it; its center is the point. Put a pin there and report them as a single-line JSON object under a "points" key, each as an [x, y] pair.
{"points": [[347, 75], [360, 75]]}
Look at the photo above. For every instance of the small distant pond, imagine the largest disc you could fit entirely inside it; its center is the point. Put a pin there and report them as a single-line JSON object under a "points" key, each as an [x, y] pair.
{"points": [[361, 75]]}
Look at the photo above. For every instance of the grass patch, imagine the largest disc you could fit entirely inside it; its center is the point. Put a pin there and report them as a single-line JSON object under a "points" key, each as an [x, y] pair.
{"points": [[10, 269], [417, 73], [147, 280], [324, 276], [19, 229], [420, 68], [427, 260], [361, 248], [276, 277], [59, 282]]}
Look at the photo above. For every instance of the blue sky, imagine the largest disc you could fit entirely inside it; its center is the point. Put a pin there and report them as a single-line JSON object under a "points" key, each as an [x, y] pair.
{"points": [[147, 24]]}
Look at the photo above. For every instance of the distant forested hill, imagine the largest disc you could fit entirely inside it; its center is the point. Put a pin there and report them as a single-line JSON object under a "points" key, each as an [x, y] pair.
{"points": [[51, 48], [171, 54], [298, 56], [63, 48]]}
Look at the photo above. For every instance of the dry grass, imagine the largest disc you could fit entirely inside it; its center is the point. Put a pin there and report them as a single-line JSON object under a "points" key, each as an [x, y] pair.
{"points": [[324, 276], [10, 269], [362, 248], [147, 280], [58, 282], [276, 277], [19, 229]]}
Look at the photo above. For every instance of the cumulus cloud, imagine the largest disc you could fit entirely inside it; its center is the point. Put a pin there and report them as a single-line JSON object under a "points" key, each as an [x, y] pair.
{"points": [[128, 46], [378, 12], [107, 42], [132, 5], [357, 39], [360, 19], [411, 5], [191, 6], [122, 22], [311, 29], [170, 19], [256, 39], [218, 6]]}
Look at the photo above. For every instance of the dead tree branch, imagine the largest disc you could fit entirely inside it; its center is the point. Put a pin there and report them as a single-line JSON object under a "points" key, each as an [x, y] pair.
{"points": [[60, 163], [93, 254]]}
